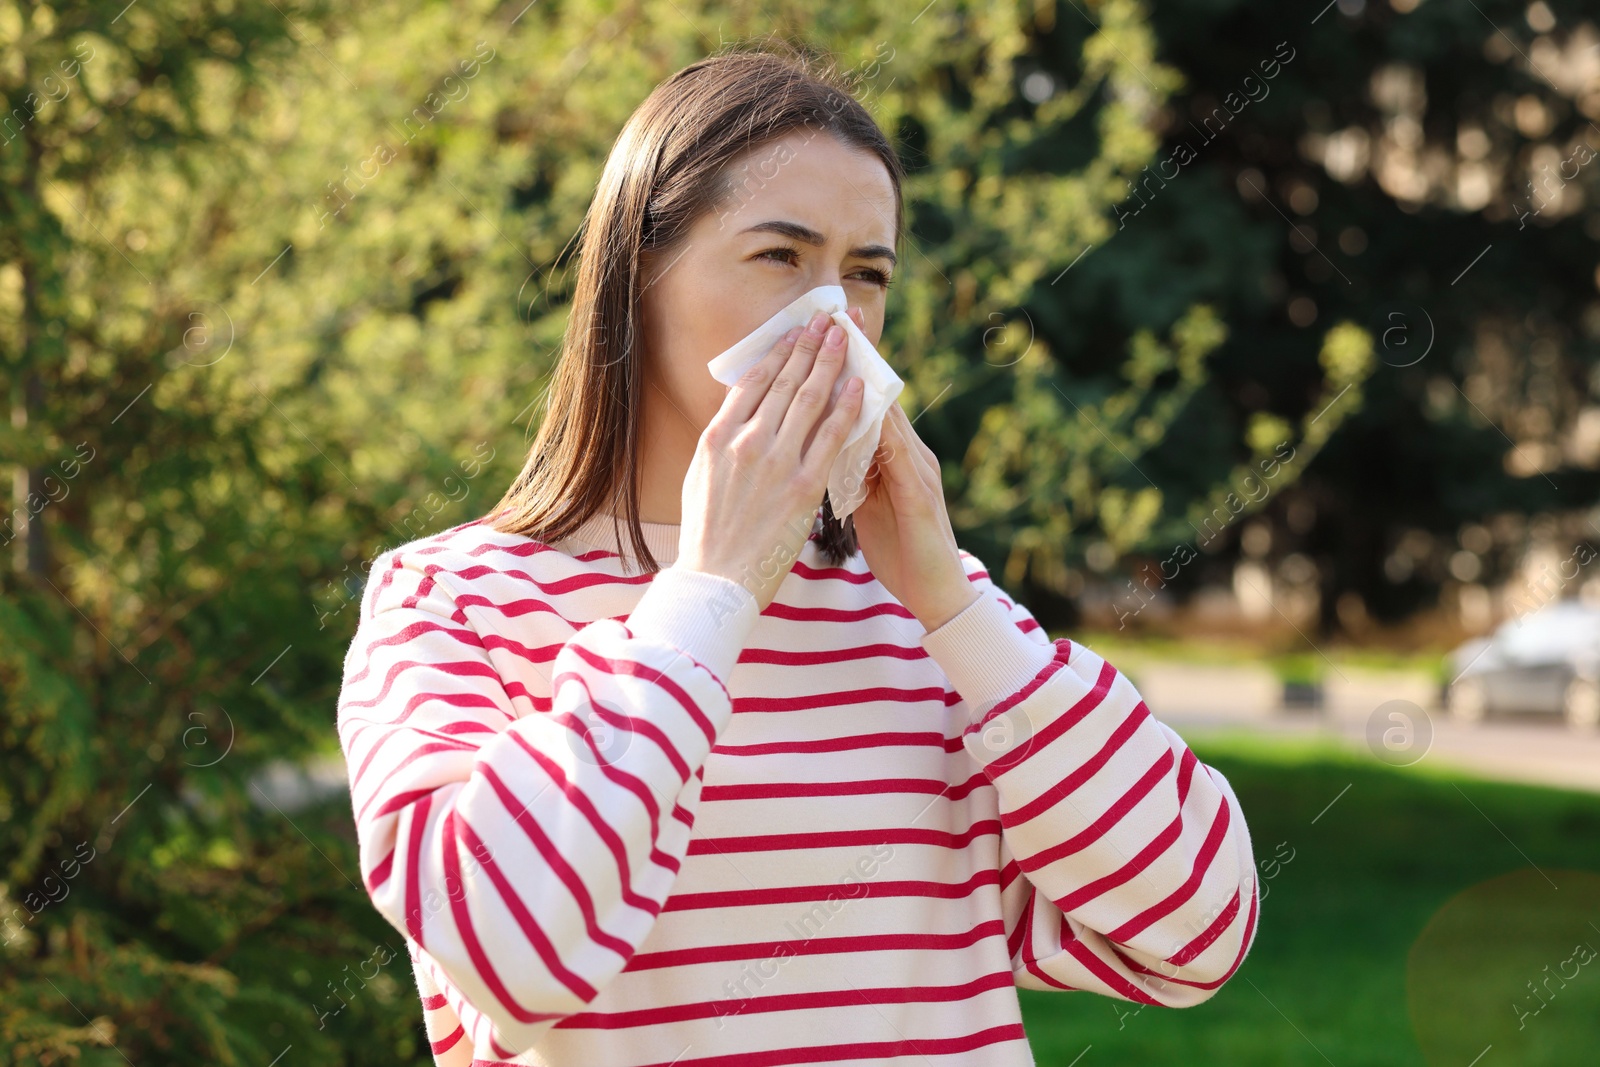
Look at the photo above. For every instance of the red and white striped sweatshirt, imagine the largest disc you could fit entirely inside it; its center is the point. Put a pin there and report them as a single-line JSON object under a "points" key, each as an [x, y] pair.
{"points": [[625, 819]]}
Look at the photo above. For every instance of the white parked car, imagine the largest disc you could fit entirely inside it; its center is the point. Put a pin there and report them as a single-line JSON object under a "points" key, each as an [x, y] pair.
{"points": [[1544, 661]]}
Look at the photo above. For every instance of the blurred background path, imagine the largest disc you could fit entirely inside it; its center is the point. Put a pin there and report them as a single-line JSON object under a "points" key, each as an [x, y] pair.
{"points": [[1197, 700]]}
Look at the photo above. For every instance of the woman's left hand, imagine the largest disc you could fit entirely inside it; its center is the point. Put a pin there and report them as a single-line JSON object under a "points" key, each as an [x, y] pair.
{"points": [[904, 530]]}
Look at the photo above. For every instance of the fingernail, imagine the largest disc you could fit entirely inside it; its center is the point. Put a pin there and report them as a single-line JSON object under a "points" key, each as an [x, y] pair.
{"points": [[854, 385], [815, 325], [834, 337], [792, 335]]}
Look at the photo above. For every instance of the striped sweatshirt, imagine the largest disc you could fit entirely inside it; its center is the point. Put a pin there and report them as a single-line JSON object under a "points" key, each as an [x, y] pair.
{"points": [[625, 819]]}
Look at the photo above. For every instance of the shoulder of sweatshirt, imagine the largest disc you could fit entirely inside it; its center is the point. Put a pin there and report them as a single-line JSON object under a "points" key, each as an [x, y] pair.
{"points": [[507, 584], [442, 572]]}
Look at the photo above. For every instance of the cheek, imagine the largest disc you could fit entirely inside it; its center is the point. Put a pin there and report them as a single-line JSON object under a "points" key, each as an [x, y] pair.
{"points": [[874, 332], [694, 394]]}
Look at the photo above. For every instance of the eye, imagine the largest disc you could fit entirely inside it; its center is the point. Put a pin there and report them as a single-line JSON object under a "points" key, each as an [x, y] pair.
{"points": [[784, 251], [787, 254]]}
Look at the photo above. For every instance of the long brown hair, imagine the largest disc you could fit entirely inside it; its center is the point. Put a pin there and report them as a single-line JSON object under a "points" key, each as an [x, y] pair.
{"points": [[664, 171]]}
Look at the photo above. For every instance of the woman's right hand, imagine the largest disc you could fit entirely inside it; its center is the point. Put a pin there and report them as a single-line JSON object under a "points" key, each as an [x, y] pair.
{"points": [[759, 472]]}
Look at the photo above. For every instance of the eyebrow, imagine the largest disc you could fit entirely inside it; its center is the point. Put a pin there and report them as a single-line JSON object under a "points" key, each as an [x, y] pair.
{"points": [[812, 237]]}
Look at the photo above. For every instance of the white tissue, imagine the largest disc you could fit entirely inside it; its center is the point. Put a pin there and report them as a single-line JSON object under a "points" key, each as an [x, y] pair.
{"points": [[847, 487]]}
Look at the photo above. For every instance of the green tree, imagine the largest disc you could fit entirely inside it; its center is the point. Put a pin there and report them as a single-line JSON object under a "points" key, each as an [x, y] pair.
{"points": [[1426, 171], [280, 286], [166, 522]]}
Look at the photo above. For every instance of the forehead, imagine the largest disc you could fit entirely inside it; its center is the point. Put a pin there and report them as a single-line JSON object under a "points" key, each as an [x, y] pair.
{"points": [[811, 177]]}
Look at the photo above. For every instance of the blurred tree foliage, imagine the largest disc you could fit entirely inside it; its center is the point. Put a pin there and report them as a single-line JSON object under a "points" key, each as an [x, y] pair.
{"points": [[278, 287], [1428, 171]]}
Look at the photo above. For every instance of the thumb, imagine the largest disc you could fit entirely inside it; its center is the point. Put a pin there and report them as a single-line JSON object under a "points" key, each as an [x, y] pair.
{"points": [[859, 317]]}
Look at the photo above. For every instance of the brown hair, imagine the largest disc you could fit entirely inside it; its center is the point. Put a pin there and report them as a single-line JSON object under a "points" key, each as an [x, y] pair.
{"points": [[664, 171]]}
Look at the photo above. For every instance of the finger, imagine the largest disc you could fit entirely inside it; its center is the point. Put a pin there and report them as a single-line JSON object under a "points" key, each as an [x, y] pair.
{"points": [[891, 453], [859, 316], [828, 442], [770, 412], [743, 396], [926, 459], [910, 467], [816, 392]]}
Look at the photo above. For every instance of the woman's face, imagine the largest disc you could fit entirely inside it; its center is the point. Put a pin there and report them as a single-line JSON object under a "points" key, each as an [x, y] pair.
{"points": [[803, 213]]}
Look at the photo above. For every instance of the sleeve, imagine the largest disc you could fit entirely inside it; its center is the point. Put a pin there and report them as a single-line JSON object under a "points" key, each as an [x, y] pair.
{"points": [[1126, 864], [524, 844]]}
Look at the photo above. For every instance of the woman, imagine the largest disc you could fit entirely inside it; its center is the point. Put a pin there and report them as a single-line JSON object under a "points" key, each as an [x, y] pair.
{"points": [[735, 788]]}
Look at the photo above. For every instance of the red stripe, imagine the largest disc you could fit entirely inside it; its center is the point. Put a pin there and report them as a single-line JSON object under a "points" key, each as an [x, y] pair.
{"points": [[1009, 873], [1209, 935], [829, 656], [563, 870], [1030, 961], [768, 1002], [1015, 937], [843, 574], [580, 800], [467, 726], [1186, 773], [1086, 770], [1097, 829], [411, 632], [700, 846], [851, 743], [1202, 863], [870, 787], [814, 946], [395, 803], [795, 613], [380, 873], [445, 1044], [1057, 726], [621, 778], [869, 1050], [350, 748], [849, 698], [1143, 859], [1244, 946], [1102, 969], [634, 669], [635, 724], [402, 800], [453, 700], [1044, 675], [419, 816], [469, 937], [788, 894]]}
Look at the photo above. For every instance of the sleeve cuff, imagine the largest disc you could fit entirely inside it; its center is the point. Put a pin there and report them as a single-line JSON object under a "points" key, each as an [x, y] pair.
{"points": [[985, 656], [705, 616]]}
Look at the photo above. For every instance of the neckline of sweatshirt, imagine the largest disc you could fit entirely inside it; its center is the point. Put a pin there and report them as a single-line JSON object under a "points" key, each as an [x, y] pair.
{"points": [[601, 531]]}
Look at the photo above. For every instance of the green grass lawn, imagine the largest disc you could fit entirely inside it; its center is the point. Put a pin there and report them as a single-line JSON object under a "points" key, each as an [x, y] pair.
{"points": [[1358, 959]]}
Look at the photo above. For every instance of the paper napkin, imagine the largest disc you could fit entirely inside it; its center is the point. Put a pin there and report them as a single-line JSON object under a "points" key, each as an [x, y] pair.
{"points": [[847, 487]]}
